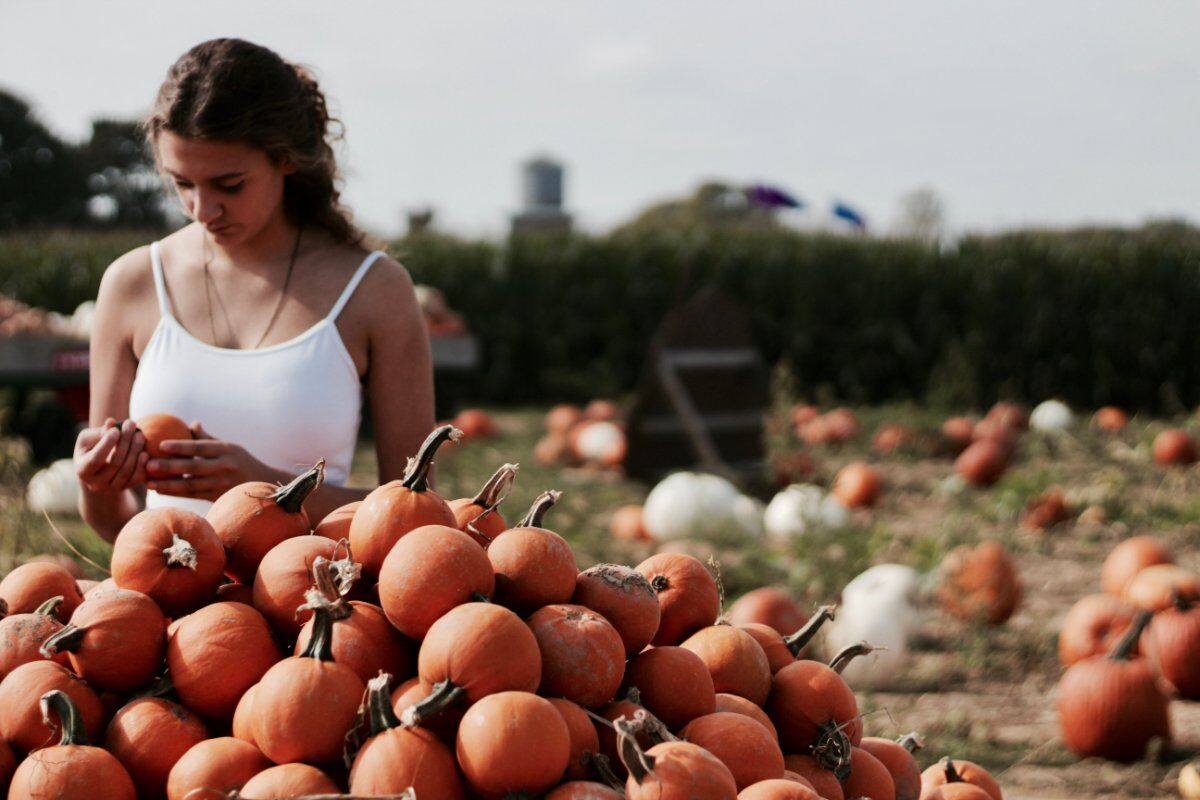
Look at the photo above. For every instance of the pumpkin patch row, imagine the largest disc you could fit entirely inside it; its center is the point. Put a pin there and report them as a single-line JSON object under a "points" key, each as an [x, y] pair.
{"points": [[408, 642]]}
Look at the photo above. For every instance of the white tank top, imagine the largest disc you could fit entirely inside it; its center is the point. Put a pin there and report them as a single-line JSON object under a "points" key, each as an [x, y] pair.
{"points": [[288, 404]]}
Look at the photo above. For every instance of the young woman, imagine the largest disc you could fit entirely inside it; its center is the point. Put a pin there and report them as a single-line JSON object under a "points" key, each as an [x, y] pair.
{"points": [[260, 322]]}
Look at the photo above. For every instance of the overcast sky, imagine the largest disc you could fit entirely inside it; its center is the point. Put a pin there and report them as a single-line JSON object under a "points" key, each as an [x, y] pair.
{"points": [[1045, 113]]}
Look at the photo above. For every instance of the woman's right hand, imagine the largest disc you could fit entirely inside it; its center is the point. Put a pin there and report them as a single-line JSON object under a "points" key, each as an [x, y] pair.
{"points": [[111, 458]]}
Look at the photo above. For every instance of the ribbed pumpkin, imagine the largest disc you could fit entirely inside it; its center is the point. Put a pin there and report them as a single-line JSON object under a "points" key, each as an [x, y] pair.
{"points": [[222, 765], [534, 566], [1173, 644], [253, 517], [363, 639], [478, 516], [868, 777], [216, 653], [397, 507], [687, 595], [743, 745], [585, 743], [896, 757], [813, 707], [735, 660], [673, 683], [1111, 706], [475, 650], [979, 583], [512, 742], [734, 704], [622, 596], [288, 780], [823, 780], [305, 704], [21, 636], [948, 771], [1092, 627], [1129, 558], [783, 650], [30, 585], [396, 758], [1162, 586], [778, 789], [428, 572], [672, 770], [72, 769], [284, 577], [158, 428], [769, 606], [336, 524], [115, 640], [583, 658], [171, 554], [22, 722], [148, 736]]}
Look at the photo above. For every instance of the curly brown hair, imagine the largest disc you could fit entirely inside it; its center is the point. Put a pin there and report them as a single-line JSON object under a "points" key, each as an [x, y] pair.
{"points": [[234, 89]]}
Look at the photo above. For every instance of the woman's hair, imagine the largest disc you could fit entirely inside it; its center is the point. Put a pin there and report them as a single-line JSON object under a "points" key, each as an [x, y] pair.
{"points": [[234, 89]]}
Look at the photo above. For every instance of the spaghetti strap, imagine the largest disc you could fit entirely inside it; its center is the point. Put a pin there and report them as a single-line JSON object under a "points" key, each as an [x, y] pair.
{"points": [[353, 284], [160, 284]]}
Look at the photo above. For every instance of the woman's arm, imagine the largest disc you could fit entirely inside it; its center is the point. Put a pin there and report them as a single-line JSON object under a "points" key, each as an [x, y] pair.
{"points": [[109, 455]]}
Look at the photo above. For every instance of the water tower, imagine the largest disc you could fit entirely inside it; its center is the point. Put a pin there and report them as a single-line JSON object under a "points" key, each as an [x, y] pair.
{"points": [[542, 198]]}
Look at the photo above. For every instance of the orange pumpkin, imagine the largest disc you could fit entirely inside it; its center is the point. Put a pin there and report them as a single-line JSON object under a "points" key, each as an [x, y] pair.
{"points": [[397, 507], [673, 683], [741, 744], [23, 723], [734, 659], [148, 736], [733, 704], [673, 770], [982, 463], [896, 757], [1045, 511], [1162, 586], [1174, 447], [813, 707], [223, 764], [783, 650], [254, 517], [288, 780], [626, 524], [562, 418], [1110, 419], [1092, 627], [513, 743], [234, 593], [1172, 644], [583, 657], [72, 769], [868, 777], [584, 790], [430, 571], [622, 596], [477, 516], [115, 641], [397, 758], [30, 585], [444, 725], [979, 583], [1129, 558], [336, 524], [770, 606], [1011, 415], [892, 438], [21, 636], [242, 726], [822, 780], [957, 434], [687, 595], [475, 423], [585, 743], [159, 428], [533, 566], [283, 580], [948, 772], [171, 554], [778, 789], [857, 485]]}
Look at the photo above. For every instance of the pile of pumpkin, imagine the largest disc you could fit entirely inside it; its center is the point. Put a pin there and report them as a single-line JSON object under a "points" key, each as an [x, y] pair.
{"points": [[1128, 651], [410, 643], [591, 436]]}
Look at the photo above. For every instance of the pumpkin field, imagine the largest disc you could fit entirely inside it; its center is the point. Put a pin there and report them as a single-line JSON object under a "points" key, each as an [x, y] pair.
{"points": [[973, 675]]}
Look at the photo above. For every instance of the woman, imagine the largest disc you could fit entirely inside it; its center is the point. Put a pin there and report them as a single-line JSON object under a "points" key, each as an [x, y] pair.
{"points": [[259, 322]]}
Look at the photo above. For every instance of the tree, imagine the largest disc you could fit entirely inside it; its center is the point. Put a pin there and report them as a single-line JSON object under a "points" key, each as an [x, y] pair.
{"points": [[922, 216]]}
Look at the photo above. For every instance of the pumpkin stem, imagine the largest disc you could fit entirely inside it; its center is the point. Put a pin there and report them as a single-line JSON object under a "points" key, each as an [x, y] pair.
{"points": [[832, 750], [67, 639], [947, 766], [326, 591], [654, 728], [801, 638], [911, 742], [603, 768], [3, 608], [444, 695], [416, 477], [46, 609], [634, 695], [541, 504], [379, 704], [291, 497], [849, 653], [1124, 647], [497, 488], [660, 584], [639, 764], [320, 644], [181, 553], [73, 730]]}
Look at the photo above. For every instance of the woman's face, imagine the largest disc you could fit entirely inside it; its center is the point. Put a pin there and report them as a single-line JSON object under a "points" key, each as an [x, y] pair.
{"points": [[231, 188]]}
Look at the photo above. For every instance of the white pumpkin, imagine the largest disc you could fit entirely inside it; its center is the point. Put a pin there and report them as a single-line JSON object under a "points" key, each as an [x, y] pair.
{"points": [[1051, 415], [690, 505], [885, 625], [748, 512], [799, 507], [600, 443], [54, 489], [884, 584]]}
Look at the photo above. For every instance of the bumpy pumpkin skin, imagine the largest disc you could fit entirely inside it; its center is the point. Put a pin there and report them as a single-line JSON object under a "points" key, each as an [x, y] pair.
{"points": [[1111, 708], [583, 658], [20, 637], [288, 780], [735, 660], [72, 772], [21, 723], [223, 764], [30, 585], [622, 596], [139, 563], [482, 648], [148, 736], [687, 595], [513, 742], [123, 641], [741, 744]]}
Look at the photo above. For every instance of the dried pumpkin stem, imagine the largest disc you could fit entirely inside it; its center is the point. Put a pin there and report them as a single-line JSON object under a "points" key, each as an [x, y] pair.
{"points": [[444, 695], [3, 608], [1124, 647], [639, 764], [911, 742], [291, 496], [48, 608], [181, 553], [604, 769], [66, 640], [832, 750], [947, 766], [849, 653], [57, 702], [416, 477], [801, 638], [381, 715], [541, 504], [320, 644], [497, 487]]}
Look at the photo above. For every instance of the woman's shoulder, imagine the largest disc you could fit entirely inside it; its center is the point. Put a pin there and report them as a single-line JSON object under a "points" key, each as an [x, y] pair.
{"points": [[129, 274]]}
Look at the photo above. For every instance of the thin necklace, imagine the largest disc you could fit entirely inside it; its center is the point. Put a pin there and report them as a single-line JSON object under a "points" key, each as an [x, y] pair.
{"points": [[212, 325]]}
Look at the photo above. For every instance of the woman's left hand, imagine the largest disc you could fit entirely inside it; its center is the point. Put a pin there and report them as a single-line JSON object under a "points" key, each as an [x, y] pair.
{"points": [[203, 467]]}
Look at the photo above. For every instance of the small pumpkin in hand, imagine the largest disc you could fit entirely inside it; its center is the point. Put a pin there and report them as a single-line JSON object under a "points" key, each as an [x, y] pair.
{"points": [[158, 428]]}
